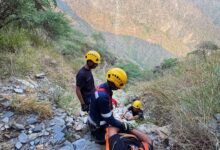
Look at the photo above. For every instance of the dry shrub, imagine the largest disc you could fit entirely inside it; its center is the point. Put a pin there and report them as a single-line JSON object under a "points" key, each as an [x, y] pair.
{"points": [[187, 98], [191, 134], [159, 112], [31, 105]]}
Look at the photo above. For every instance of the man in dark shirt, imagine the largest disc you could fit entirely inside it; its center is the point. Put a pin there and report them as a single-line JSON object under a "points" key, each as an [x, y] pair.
{"points": [[85, 86], [136, 111]]}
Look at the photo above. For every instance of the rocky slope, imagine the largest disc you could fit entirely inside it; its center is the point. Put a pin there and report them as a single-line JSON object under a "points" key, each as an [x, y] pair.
{"points": [[26, 127]]}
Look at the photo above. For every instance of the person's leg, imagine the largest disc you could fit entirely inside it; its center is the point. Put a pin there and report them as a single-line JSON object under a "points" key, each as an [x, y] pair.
{"points": [[87, 101], [98, 134]]}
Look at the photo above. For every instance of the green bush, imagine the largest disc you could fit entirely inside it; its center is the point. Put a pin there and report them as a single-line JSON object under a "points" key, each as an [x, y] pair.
{"points": [[133, 71], [12, 39], [22, 12], [74, 44], [34, 14], [37, 38], [168, 63], [54, 24]]}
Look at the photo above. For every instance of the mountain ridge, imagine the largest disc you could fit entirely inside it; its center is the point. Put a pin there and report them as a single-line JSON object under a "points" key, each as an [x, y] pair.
{"points": [[119, 44], [157, 21]]}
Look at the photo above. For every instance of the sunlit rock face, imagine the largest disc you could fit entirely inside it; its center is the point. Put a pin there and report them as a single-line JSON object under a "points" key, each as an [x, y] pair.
{"points": [[176, 25]]}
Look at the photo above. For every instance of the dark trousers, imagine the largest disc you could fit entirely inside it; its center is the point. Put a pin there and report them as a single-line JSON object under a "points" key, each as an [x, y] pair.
{"points": [[87, 101], [98, 133]]}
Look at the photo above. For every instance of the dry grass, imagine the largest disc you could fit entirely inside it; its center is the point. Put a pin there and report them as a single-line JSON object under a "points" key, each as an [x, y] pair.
{"points": [[192, 134], [31, 105], [57, 68], [187, 98]]}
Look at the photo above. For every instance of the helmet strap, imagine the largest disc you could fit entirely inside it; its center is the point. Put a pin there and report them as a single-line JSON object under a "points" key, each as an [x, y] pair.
{"points": [[112, 85]]}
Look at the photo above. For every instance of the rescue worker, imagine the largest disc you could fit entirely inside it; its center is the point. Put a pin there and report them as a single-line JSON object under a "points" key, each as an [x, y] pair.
{"points": [[85, 87], [137, 112], [135, 140], [100, 114]]}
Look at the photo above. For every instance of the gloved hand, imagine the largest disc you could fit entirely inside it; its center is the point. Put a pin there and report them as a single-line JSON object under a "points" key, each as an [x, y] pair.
{"points": [[127, 126], [84, 107]]}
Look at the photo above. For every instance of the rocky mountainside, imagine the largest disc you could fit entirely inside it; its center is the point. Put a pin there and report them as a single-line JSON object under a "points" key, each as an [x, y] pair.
{"points": [[123, 46], [210, 8], [146, 55], [176, 25]]}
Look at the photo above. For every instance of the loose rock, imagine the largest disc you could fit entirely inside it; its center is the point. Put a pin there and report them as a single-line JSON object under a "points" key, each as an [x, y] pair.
{"points": [[19, 91], [5, 120], [18, 126], [8, 114], [32, 120], [18, 145], [40, 75], [23, 138]]}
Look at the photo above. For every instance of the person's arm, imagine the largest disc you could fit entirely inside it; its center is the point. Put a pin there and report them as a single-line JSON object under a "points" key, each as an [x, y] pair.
{"points": [[129, 109], [139, 116], [79, 95], [133, 118], [141, 136], [80, 83], [107, 114], [123, 116]]}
